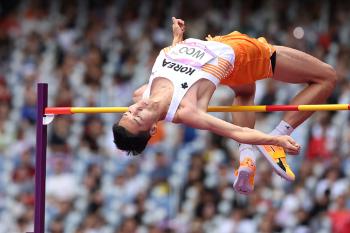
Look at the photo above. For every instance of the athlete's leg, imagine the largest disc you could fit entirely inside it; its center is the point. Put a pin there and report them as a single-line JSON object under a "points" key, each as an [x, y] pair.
{"points": [[244, 95], [244, 182], [293, 66]]}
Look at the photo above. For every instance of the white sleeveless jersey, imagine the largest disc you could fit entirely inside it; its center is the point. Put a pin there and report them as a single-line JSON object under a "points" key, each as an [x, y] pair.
{"points": [[187, 62]]}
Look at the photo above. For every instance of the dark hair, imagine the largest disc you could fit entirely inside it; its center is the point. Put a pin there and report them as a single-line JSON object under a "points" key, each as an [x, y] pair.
{"points": [[132, 143]]}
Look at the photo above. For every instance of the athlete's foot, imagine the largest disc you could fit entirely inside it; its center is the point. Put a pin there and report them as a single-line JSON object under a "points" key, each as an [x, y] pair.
{"points": [[276, 157], [244, 182]]}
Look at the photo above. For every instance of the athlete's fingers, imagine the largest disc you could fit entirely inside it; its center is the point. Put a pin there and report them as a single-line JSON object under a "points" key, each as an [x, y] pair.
{"points": [[293, 149], [175, 22], [294, 143], [178, 22], [297, 147], [183, 28], [292, 152], [290, 145], [291, 140]]}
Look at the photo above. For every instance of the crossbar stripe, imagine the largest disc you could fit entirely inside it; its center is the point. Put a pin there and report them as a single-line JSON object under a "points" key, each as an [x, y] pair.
{"points": [[274, 108], [257, 108]]}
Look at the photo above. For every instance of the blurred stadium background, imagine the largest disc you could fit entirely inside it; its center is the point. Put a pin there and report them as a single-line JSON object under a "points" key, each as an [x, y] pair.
{"points": [[95, 53]]}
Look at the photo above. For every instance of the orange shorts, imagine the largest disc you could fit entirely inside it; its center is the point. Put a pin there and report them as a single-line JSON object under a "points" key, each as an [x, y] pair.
{"points": [[252, 58]]}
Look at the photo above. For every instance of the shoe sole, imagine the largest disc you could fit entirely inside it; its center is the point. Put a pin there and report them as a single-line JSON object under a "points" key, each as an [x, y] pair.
{"points": [[242, 179], [277, 168]]}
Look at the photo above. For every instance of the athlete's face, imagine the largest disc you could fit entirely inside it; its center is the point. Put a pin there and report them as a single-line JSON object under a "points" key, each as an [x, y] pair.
{"points": [[139, 117]]}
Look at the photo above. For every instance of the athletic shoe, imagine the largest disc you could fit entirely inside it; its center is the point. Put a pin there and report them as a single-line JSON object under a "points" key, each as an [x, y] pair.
{"points": [[276, 156], [244, 182]]}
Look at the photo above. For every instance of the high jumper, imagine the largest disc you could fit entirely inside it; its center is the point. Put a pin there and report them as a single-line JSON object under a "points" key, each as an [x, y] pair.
{"points": [[185, 76]]}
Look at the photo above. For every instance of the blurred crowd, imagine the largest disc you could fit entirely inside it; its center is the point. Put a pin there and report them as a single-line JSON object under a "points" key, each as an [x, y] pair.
{"points": [[95, 53]]}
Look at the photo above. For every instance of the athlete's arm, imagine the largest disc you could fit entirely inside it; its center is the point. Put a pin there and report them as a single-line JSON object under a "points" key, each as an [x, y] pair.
{"points": [[138, 93], [202, 120], [178, 30]]}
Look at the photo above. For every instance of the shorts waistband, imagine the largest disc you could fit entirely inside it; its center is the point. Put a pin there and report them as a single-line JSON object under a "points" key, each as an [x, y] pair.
{"points": [[273, 61]]}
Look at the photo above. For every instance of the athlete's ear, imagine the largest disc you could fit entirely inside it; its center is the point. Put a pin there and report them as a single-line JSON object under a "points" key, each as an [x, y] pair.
{"points": [[153, 129]]}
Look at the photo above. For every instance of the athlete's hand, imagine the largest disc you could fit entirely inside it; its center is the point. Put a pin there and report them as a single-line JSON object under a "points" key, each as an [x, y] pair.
{"points": [[290, 146], [178, 29]]}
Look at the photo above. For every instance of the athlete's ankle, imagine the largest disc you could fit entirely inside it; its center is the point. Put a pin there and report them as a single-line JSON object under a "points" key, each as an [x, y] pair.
{"points": [[283, 128], [246, 151]]}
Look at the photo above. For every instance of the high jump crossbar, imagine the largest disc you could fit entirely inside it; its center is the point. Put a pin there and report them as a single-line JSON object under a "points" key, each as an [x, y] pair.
{"points": [[46, 114], [252, 108]]}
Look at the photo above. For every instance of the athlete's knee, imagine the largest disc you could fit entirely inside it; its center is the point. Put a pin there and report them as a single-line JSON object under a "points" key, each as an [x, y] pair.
{"points": [[329, 77], [245, 91]]}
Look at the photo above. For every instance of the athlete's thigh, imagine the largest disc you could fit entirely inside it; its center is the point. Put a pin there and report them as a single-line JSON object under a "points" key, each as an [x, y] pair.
{"points": [[244, 89], [294, 66]]}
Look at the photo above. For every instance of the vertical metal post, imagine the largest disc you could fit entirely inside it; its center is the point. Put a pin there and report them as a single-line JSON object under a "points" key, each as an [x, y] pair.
{"points": [[40, 159]]}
